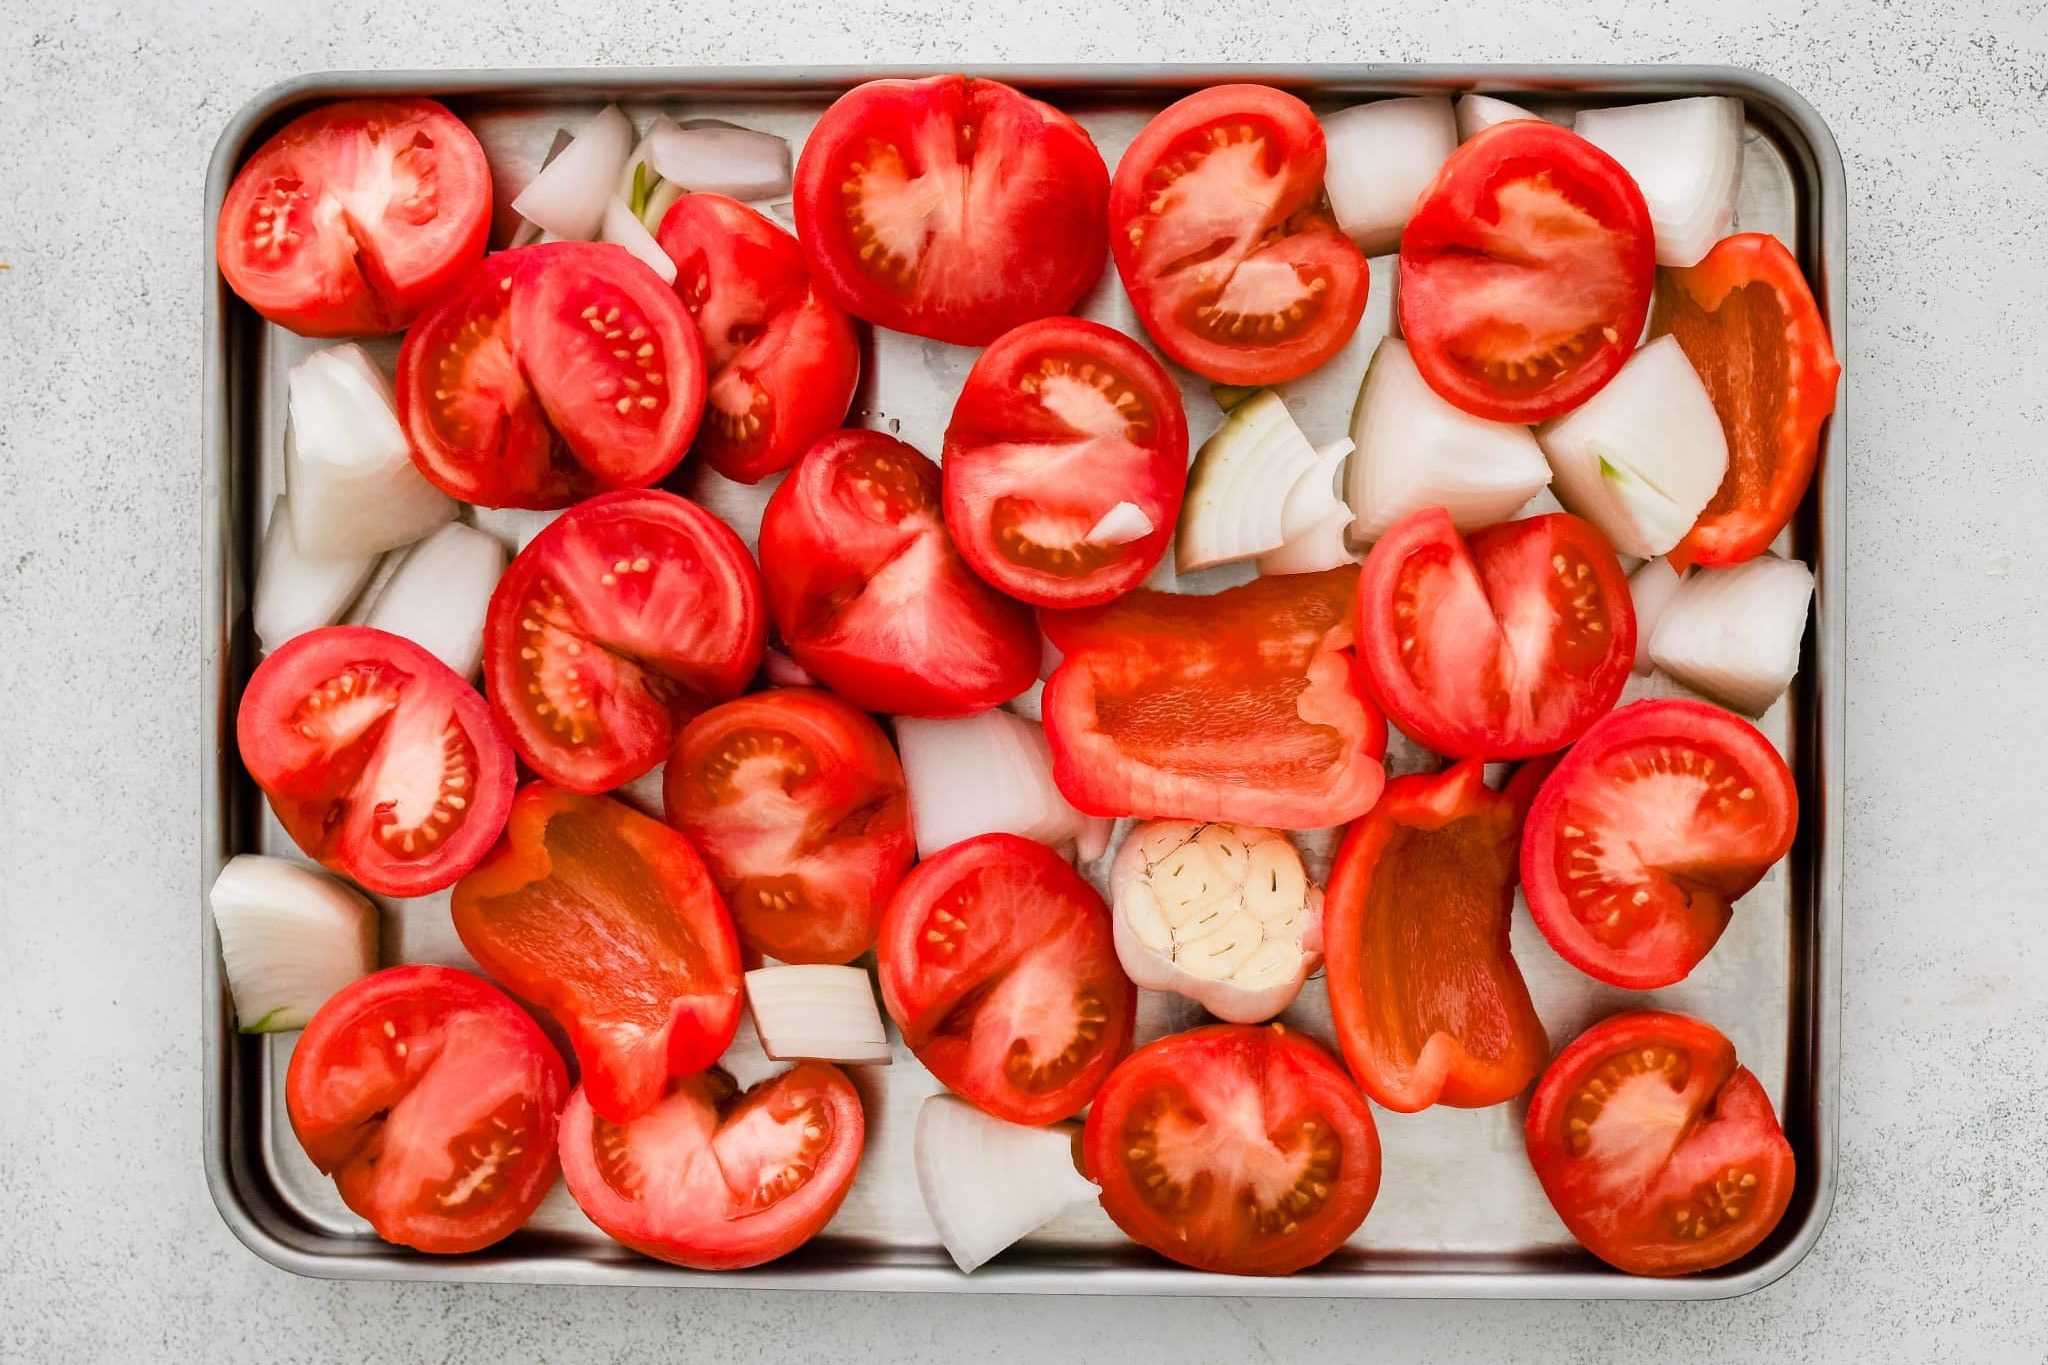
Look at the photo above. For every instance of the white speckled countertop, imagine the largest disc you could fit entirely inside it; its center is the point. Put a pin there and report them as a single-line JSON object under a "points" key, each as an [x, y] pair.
{"points": [[109, 1247]]}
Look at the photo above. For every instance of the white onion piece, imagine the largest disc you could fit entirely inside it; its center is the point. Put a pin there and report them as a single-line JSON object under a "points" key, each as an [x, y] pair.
{"points": [[290, 937], [1686, 156], [621, 228], [1238, 486], [987, 1183], [1382, 156], [825, 1013], [981, 774], [722, 159], [1120, 525], [1477, 113], [1734, 633], [1325, 545], [1641, 458], [296, 593], [1093, 839], [738, 505], [347, 464], [1651, 588], [1314, 495], [783, 671], [568, 197], [650, 184], [438, 596]]}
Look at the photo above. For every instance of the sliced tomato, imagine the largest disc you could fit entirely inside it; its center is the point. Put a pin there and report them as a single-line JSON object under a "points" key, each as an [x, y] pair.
{"points": [[1060, 421], [552, 372], [1661, 817], [998, 966], [355, 216], [378, 760], [1502, 644], [1225, 243], [1660, 1153], [432, 1100], [798, 804], [1238, 1148], [1747, 320], [1526, 272], [1429, 1005], [783, 357], [870, 595], [1243, 707], [608, 920], [951, 207]]}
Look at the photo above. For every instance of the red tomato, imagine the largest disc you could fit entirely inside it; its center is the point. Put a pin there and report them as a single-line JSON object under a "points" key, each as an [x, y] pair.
{"points": [[624, 617], [1243, 707], [1429, 1005], [713, 1179], [355, 216], [551, 373], [1660, 817], [1661, 1154], [1224, 242], [870, 595], [431, 1099], [1504, 644], [1237, 1148], [951, 207], [1060, 421], [998, 966], [797, 802], [608, 920], [1526, 272], [378, 760], [1748, 323], [783, 358]]}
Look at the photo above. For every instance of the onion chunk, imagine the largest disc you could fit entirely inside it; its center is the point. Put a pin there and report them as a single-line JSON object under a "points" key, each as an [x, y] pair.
{"points": [[823, 1013], [721, 158], [290, 937], [348, 466], [984, 774], [296, 593], [1734, 633], [569, 196], [987, 1183], [1686, 156], [1382, 156], [1477, 113], [1238, 487], [1651, 588], [440, 593]]}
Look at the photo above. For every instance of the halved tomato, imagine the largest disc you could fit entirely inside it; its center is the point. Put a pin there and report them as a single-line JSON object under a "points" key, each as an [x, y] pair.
{"points": [[607, 919], [551, 373], [1503, 644], [1238, 1148], [432, 1100], [1060, 421], [377, 759], [870, 595], [1225, 243], [798, 804], [951, 207], [714, 1179], [1526, 272], [1657, 821], [1658, 1151], [783, 358], [1747, 320], [626, 616], [355, 216], [998, 966]]}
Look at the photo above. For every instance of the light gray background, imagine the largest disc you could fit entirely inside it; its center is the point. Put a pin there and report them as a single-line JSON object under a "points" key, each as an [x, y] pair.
{"points": [[109, 1248]]}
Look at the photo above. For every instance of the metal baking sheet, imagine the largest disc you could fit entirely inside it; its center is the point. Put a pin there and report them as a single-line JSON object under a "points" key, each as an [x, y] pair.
{"points": [[1459, 1212]]}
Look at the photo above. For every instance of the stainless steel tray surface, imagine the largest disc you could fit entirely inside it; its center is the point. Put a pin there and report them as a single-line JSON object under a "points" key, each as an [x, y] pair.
{"points": [[1459, 1211]]}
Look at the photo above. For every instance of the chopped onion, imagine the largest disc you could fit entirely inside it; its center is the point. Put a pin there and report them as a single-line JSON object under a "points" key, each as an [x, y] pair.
{"points": [[347, 464], [1734, 633], [438, 596], [290, 937], [296, 593], [1093, 839], [705, 154], [1315, 520], [1325, 545], [783, 671], [981, 774], [825, 1013], [1651, 588], [621, 228], [1239, 483], [569, 195], [1314, 495], [1477, 113], [987, 1183], [641, 186], [1120, 525], [1382, 156], [1686, 155]]}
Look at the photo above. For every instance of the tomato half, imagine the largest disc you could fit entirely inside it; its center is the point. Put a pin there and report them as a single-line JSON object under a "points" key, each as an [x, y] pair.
{"points": [[626, 616], [1225, 243], [1237, 1148], [1657, 821], [1429, 1005], [355, 216], [378, 760], [1660, 1153], [783, 358], [797, 802], [608, 920], [951, 207], [1060, 421], [432, 1100], [1526, 272], [1747, 321], [998, 966], [1243, 707], [1505, 643], [552, 372], [870, 595], [714, 1179]]}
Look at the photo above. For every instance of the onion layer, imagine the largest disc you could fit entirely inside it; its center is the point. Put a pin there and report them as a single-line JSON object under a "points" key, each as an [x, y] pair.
{"points": [[987, 1183]]}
